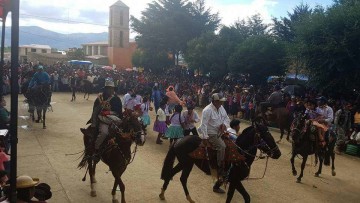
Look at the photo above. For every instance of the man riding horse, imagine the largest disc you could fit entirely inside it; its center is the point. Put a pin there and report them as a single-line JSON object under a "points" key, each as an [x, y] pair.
{"points": [[39, 80], [107, 108], [214, 122], [274, 100]]}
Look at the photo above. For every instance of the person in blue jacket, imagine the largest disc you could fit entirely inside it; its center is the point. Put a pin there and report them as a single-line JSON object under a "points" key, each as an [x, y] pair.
{"points": [[40, 78]]}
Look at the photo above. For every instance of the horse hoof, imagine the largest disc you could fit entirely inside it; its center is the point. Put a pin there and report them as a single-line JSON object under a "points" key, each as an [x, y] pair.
{"points": [[316, 175], [333, 173], [189, 199], [115, 201], [162, 196], [93, 193], [298, 181], [294, 173], [44, 127]]}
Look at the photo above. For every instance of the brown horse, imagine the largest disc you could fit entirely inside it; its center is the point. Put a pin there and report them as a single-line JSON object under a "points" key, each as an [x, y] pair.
{"points": [[116, 152], [281, 117]]}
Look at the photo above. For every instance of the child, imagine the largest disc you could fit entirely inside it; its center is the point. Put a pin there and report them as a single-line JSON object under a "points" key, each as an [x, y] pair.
{"points": [[145, 107], [160, 122], [191, 117], [234, 129], [175, 130]]}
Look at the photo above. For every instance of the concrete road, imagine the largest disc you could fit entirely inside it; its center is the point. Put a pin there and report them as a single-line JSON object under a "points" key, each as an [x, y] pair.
{"points": [[42, 154]]}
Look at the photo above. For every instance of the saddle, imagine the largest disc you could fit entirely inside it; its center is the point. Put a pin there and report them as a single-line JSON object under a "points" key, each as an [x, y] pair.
{"points": [[232, 154]]}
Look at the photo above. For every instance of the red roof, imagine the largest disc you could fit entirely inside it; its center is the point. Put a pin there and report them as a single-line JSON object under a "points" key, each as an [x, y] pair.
{"points": [[4, 8]]}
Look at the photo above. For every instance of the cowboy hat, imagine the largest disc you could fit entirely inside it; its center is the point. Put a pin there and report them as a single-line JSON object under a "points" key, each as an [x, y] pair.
{"points": [[216, 97], [25, 181]]}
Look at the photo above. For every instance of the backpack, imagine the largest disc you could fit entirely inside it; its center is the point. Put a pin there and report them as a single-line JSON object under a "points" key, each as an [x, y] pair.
{"points": [[342, 118]]}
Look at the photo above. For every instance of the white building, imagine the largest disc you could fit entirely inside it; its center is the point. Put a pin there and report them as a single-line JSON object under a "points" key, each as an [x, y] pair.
{"points": [[33, 48]]}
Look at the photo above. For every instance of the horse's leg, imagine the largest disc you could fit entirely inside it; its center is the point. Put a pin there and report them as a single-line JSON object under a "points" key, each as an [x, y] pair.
{"points": [[321, 159], [281, 135], [184, 176], [240, 188], [174, 171], [92, 166], [230, 193], [88, 96], [122, 189], [113, 192], [333, 173], [292, 160], [44, 116], [38, 111], [302, 168]]}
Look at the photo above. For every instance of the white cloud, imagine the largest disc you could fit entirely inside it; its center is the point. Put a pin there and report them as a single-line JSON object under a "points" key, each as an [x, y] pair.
{"points": [[81, 11]]}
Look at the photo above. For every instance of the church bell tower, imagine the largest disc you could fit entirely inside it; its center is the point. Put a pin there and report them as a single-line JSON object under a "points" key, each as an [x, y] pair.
{"points": [[119, 25]]}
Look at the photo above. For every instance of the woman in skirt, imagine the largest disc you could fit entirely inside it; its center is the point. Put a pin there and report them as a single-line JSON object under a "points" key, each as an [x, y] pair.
{"points": [[160, 122], [175, 131]]}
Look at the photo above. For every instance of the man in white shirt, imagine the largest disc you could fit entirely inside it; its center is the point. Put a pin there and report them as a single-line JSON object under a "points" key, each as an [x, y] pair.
{"points": [[324, 120], [214, 122]]}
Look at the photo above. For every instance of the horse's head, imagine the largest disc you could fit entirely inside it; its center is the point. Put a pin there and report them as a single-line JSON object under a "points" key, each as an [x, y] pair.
{"points": [[266, 141], [129, 128], [297, 127]]}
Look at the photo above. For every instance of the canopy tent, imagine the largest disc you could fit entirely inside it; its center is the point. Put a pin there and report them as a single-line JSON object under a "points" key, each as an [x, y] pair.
{"points": [[77, 62], [107, 68]]}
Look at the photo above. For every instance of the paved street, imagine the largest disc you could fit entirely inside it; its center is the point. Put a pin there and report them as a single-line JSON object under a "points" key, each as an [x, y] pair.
{"points": [[41, 153]]}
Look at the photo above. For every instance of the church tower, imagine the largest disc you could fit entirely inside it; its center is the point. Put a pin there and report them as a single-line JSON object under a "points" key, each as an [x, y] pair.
{"points": [[119, 25]]}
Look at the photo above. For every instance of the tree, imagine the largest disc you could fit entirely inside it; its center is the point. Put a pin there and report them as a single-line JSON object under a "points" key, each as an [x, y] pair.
{"points": [[330, 41], [167, 25], [78, 54], [259, 56], [156, 61]]}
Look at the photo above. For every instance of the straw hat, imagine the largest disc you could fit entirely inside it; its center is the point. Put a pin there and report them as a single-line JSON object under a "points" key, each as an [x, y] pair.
{"points": [[26, 181]]}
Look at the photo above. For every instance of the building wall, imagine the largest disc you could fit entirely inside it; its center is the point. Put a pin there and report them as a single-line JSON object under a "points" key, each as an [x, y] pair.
{"points": [[122, 57], [119, 30]]}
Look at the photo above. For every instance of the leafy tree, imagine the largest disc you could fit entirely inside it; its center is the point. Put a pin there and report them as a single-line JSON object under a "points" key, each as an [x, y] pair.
{"points": [[156, 61], [330, 41], [78, 54], [259, 56], [167, 25]]}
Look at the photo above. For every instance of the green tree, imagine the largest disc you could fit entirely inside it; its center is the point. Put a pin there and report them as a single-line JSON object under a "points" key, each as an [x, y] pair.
{"points": [[330, 45], [259, 56], [78, 54], [167, 25]]}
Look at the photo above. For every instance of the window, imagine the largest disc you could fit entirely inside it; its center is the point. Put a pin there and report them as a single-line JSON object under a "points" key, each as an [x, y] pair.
{"points": [[43, 51], [121, 17], [33, 50], [121, 39]]}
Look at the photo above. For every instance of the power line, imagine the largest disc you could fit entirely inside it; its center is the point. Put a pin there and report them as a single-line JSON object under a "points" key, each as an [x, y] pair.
{"points": [[61, 20]]}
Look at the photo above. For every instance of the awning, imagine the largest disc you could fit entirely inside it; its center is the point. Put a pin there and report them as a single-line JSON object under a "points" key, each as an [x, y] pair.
{"points": [[4, 8]]}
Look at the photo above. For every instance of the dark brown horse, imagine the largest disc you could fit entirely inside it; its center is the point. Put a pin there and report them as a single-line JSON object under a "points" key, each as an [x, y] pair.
{"points": [[116, 152], [306, 142], [87, 87], [253, 138]]}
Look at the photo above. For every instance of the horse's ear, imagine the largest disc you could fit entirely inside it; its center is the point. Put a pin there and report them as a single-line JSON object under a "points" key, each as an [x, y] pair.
{"points": [[82, 130]]}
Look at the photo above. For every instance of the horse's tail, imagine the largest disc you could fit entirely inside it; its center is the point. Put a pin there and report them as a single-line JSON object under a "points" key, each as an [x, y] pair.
{"points": [[84, 160], [168, 163]]}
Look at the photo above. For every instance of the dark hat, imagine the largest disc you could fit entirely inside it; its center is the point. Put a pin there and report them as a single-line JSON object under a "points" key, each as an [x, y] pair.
{"points": [[43, 192], [322, 98]]}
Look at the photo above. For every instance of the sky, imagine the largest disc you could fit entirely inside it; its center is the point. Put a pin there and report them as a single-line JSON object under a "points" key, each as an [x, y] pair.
{"points": [[91, 16]]}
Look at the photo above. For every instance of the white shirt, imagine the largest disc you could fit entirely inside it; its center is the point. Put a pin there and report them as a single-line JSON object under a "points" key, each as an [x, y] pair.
{"points": [[327, 112], [195, 116], [127, 97], [232, 133], [211, 120], [91, 78]]}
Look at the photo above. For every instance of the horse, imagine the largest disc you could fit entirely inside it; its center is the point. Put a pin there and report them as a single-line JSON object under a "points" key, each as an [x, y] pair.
{"points": [[38, 98], [117, 154], [281, 117], [306, 142], [87, 87], [254, 137]]}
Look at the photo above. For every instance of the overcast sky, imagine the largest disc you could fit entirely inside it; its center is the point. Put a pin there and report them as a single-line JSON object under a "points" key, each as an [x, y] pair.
{"points": [[72, 16]]}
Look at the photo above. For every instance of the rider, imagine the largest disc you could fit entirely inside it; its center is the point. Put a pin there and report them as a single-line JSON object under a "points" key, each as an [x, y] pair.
{"points": [[324, 119], [39, 78], [214, 122], [274, 99], [107, 108]]}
